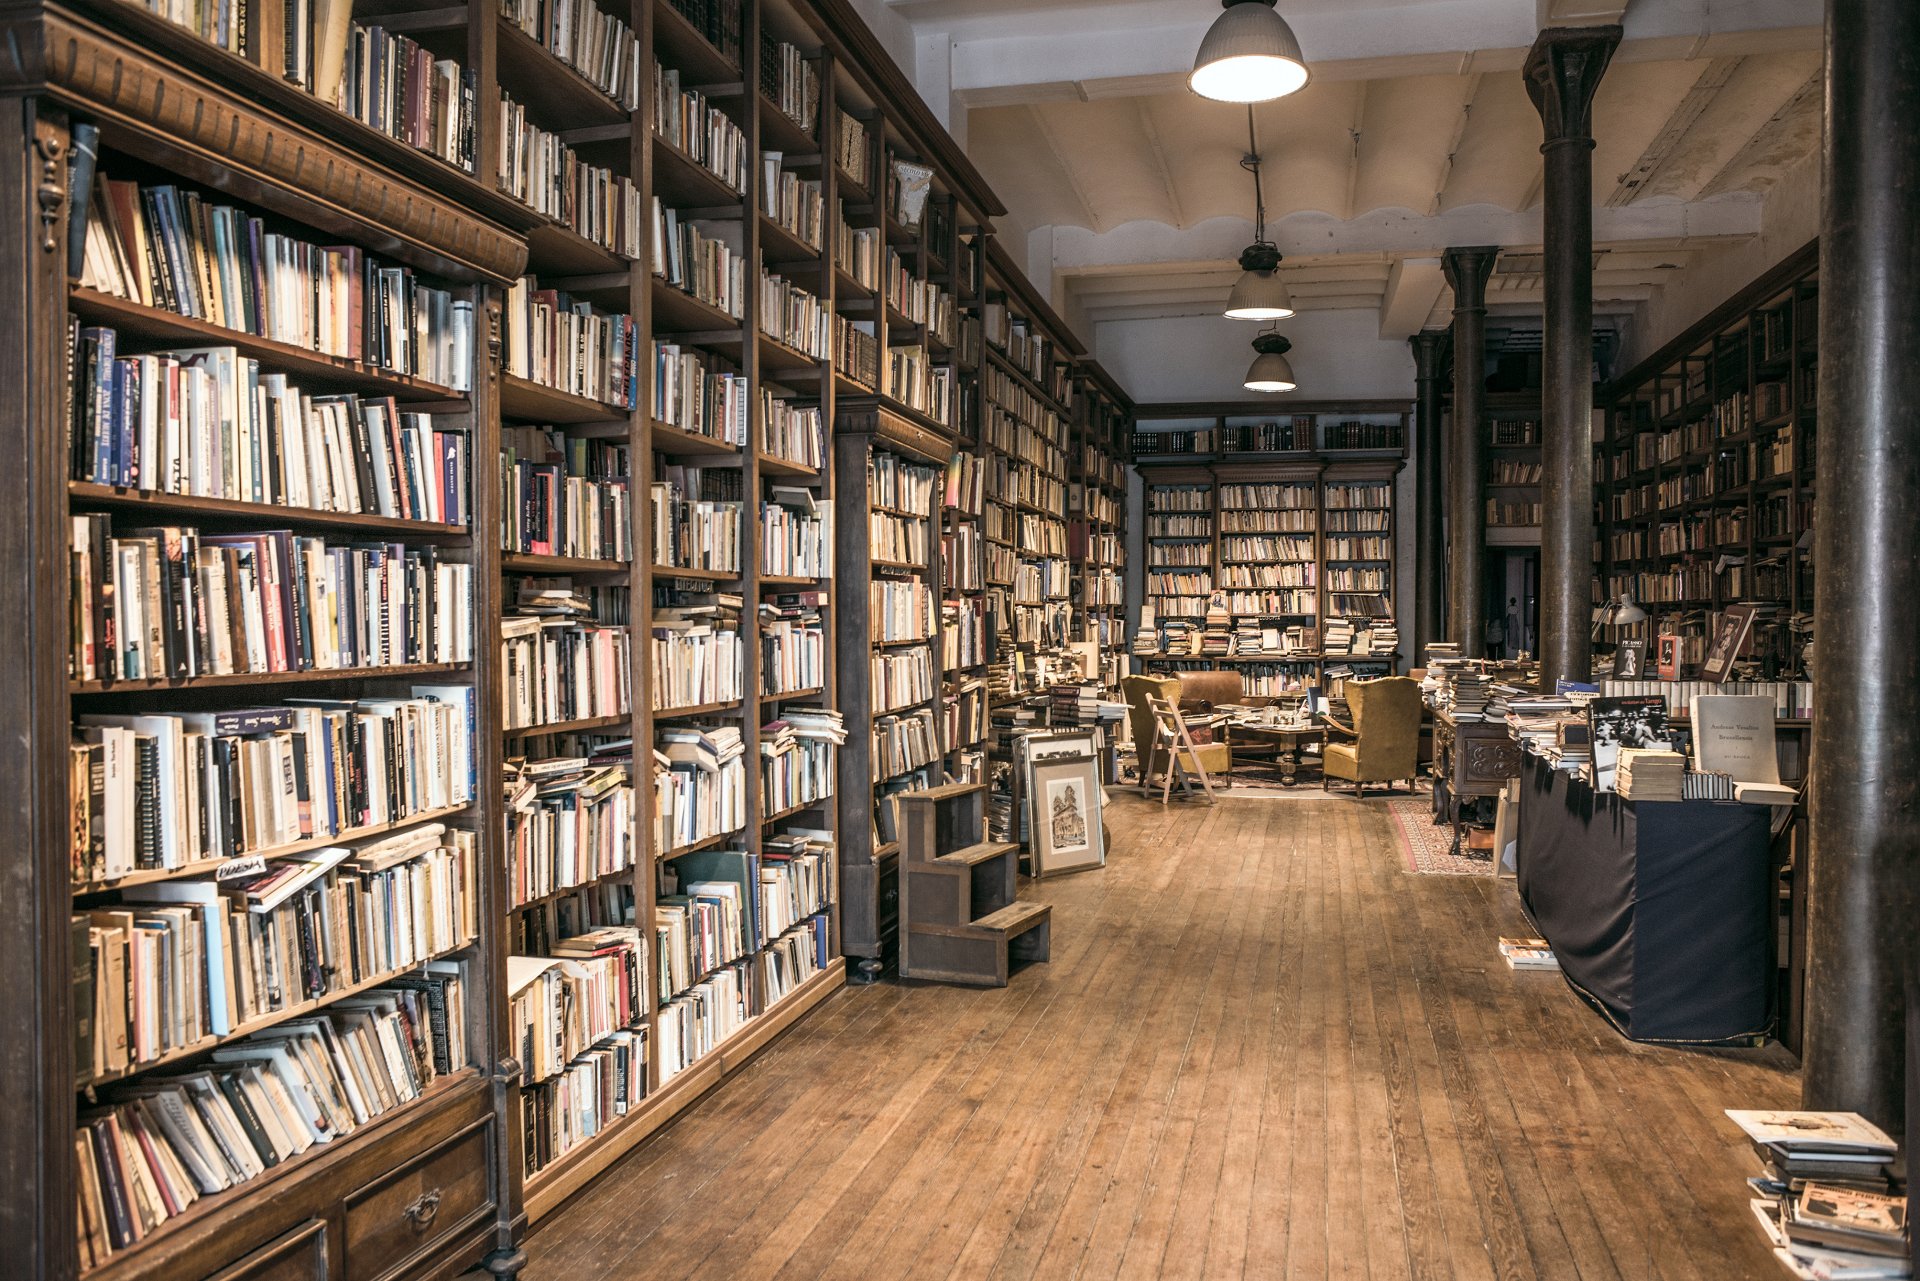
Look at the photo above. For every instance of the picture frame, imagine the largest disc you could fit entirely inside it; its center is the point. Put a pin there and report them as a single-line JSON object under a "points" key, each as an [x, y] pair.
{"points": [[1067, 817], [1729, 639]]}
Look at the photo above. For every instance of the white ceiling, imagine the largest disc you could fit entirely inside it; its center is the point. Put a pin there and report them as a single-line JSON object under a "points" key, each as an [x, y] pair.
{"points": [[1415, 134]]}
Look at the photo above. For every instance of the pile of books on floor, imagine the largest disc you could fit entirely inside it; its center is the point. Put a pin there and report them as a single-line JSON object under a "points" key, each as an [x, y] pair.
{"points": [[1528, 954], [1651, 774], [1829, 1202]]}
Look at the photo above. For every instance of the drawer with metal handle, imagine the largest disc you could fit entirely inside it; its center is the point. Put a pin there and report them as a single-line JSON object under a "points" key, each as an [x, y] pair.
{"points": [[401, 1217]]}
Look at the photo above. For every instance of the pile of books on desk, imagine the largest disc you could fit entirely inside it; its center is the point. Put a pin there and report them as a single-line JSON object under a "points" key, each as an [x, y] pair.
{"points": [[1651, 774], [1829, 1201]]}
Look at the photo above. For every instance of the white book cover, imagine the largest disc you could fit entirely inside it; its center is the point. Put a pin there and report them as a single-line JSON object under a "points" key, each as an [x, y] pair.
{"points": [[1734, 734]]}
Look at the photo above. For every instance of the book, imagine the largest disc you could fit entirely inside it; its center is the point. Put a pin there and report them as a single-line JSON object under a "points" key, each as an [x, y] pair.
{"points": [[1733, 734]]}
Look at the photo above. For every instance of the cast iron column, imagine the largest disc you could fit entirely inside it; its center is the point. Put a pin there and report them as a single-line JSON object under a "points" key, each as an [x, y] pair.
{"points": [[1563, 69], [1866, 583], [1467, 271], [1429, 553]]}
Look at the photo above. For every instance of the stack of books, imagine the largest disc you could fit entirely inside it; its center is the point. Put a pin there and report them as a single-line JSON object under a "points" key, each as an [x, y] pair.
{"points": [[1572, 748], [1706, 785], [1829, 1202], [1651, 774], [1146, 641], [1340, 634], [1528, 954]]}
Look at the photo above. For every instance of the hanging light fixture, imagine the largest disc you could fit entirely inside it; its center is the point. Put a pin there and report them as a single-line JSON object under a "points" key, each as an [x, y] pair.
{"points": [[1248, 55], [1259, 294], [1270, 371]]}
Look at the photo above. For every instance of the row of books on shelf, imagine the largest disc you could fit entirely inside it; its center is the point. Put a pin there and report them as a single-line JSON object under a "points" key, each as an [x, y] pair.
{"points": [[697, 654], [565, 496], [791, 431], [791, 82], [904, 743], [558, 1006], [1505, 515], [551, 339], [902, 677], [150, 1153], [699, 258], [394, 84], [796, 534], [569, 823], [699, 392], [1293, 574], [1267, 497], [899, 540], [587, 38], [797, 758], [173, 249], [797, 204], [857, 251], [793, 643], [561, 668], [692, 533], [541, 171], [172, 603], [687, 119], [210, 423], [917, 382], [797, 317], [578, 1103], [700, 925], [166, 791], [176, 966], [1791, 699], [700, 784]]}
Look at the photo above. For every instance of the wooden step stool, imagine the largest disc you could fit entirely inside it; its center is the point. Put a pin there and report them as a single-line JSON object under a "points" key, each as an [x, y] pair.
{"points": [[959, 919]]}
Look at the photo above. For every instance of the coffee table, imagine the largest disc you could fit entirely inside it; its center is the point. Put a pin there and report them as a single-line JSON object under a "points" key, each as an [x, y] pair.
{"points": [[1286, 745]]}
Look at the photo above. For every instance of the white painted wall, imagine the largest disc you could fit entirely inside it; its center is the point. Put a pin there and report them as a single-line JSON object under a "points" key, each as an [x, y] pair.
{"points": [[1337, 355]]}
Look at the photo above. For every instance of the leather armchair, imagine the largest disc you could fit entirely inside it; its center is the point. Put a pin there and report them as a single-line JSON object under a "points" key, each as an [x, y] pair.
{"points": [[1215, 758], [1383, 743]]}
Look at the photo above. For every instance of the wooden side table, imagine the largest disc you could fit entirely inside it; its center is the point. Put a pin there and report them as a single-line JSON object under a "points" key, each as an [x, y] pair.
{"points": [[1287, 746], [1470, 759]]}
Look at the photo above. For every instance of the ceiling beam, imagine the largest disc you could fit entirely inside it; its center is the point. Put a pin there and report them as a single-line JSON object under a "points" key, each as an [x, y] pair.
{"points": [[1780, 132], [1414, 286], [1156, 149], [1713, 78], [1041, 127]]}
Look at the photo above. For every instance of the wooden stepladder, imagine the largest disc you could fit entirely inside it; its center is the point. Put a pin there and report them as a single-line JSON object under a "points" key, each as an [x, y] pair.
{"points": [[1183, 758]]}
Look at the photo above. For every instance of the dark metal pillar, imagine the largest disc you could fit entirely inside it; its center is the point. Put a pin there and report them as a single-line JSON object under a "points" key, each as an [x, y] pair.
{"points": [[1563, 70], [1429, 552], [1467, 270], [1866, 585]]}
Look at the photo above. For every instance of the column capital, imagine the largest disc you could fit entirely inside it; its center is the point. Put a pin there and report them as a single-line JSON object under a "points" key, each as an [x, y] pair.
{"points": [[1426, 353], [1562, 72], [1467, 268]]}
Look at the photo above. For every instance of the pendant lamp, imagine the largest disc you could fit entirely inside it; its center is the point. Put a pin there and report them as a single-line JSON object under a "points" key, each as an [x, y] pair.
{"points": [[1248, 55], [1270, 371], [1259, 294]]}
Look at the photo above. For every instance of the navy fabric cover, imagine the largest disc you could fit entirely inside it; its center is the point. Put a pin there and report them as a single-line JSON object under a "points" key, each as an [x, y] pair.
{"points": [[1661, 913]]}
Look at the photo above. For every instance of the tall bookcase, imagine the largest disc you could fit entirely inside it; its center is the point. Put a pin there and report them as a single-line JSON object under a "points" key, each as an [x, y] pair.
{"points": [[1097, 505], [1288, 526], [1704, 477]]}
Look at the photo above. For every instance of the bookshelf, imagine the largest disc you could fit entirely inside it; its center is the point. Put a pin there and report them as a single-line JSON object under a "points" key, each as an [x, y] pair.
{"points": [[1704, 476], [683, 491], [1097, 502], [1513, 425], [1285, 571]]}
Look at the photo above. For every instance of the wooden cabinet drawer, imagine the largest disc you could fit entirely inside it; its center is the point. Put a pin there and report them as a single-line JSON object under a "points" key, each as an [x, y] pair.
{"points": [[394, 1220], [300, 1255]]}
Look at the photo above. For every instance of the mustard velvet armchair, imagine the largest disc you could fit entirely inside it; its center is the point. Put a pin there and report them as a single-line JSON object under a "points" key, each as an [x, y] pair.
{"points": [[1383, 743], [1215, 758]]}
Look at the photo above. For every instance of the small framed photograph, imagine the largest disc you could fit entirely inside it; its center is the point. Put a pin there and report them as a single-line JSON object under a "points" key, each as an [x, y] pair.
{"points": [[1069, 834]]}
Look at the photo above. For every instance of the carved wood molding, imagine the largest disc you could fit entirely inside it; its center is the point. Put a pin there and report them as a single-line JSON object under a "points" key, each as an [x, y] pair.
{"points": [[162, 109]]}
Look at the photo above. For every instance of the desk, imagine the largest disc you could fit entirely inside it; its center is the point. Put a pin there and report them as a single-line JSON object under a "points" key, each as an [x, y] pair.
{"points": [[1660, 912], [1285, 745], [1470, 758]]}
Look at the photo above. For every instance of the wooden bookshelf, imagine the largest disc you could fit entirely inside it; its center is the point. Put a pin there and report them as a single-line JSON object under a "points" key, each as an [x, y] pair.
{"points": [[1102, 434], [230, 127]]}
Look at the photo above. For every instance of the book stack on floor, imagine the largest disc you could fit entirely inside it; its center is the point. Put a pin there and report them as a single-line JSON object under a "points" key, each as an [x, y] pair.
{"points": [[1651, 774], [1528, 954], [1829, 1202]]}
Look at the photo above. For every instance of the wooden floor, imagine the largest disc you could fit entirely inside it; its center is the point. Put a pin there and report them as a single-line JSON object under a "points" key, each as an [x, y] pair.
{"points": [[1262, 1049]]}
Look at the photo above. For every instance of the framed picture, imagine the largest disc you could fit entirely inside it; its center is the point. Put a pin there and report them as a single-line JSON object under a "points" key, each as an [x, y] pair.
{"points": [[1729, 638], [1630, 660], [1068, 832]]}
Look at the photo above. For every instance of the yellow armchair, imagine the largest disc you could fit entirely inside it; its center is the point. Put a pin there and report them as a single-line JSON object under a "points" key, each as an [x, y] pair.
{"points": [[1383, 743], [1215, 758]]}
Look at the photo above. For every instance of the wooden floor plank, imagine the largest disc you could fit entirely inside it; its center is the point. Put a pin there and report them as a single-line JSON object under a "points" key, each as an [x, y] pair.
{"points": [[1262, 1049]]}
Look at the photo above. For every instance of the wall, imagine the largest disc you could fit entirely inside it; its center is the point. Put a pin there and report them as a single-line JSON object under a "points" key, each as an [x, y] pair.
{"points": [[1337, 355]]}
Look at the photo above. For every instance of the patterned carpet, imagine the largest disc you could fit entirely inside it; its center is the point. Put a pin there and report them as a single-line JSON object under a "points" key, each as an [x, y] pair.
{"points": [[1427, 845]]}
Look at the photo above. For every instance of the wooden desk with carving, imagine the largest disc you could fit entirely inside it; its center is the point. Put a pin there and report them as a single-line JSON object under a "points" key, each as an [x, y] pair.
{"points": [[1470, 759]]}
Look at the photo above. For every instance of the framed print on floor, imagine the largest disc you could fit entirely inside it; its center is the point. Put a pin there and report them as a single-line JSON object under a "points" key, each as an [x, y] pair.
{"points": [[1068, 834]]}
